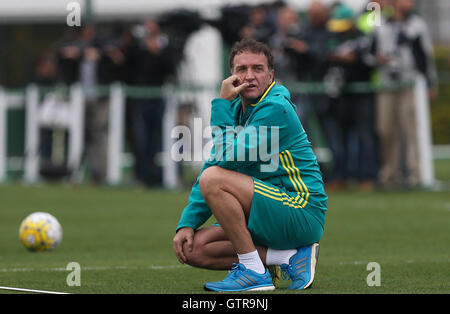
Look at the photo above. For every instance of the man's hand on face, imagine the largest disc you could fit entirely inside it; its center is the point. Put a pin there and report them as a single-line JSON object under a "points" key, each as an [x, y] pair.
{"points": [[231, 87]]}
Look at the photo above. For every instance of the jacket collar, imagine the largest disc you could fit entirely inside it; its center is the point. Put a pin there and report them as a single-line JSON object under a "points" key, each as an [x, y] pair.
{"points": [[264, 95]]}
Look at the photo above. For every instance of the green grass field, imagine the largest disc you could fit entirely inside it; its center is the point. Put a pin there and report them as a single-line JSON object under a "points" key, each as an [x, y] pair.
{"points": [[122, 238]]}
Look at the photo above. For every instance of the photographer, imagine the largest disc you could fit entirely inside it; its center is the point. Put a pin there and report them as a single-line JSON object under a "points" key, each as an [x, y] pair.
{"points": [[404, 50], [352, 141]]}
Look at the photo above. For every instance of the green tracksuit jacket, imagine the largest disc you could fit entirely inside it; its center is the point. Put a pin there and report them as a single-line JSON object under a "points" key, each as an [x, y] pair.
{"points": [[289, 159]]}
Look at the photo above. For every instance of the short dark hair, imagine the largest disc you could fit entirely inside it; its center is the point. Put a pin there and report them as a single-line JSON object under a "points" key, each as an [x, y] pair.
{"points": [[253, 46]]}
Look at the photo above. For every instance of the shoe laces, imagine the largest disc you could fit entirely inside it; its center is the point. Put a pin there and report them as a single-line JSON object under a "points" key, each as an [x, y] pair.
{"points": [[287, 272], [236, 269]]}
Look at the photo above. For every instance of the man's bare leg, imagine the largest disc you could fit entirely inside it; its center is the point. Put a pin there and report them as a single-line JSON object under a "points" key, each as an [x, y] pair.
{"points": [[213, 250], [229, 195]]}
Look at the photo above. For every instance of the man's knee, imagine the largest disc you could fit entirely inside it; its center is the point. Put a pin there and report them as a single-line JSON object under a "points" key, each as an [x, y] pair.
{"points": [[210, 180], [216, 180], [197, 257]]}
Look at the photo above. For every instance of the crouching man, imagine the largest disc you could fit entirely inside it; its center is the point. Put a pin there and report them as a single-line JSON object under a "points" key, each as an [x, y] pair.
{"points": [[270, 211]]}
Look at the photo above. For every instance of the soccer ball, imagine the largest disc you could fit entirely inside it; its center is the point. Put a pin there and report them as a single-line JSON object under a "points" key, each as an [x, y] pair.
{"points": [[40, 232]]}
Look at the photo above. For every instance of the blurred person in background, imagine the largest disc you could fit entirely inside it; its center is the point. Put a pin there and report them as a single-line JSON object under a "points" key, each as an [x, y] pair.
{"points": [[404, 50], [154, 65], [312, 48], [366, 23], [258, 26], [67, 55], [128, 45], [45, 75], [285, 54], [353, 140], [92, 61], [100, 64], [78, 59], [285, 58], [96, 108]]}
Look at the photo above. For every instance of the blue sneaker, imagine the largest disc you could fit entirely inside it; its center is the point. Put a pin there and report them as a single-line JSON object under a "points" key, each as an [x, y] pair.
{"points": [[302, 267], [242, 279]]}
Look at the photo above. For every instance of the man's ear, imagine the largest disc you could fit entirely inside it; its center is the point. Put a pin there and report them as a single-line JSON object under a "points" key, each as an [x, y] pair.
{"points": [[272, 73]]}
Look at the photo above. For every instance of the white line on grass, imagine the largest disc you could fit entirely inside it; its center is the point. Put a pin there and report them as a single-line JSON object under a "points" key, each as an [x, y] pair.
{"points": [[31, 290], [151, 267], [12, 270]]}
